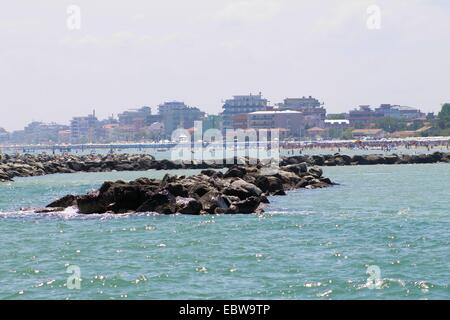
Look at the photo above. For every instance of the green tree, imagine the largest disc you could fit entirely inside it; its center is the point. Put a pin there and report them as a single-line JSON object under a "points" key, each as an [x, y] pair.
{"points": [[389, 124], [347, 134], [444, 117]]}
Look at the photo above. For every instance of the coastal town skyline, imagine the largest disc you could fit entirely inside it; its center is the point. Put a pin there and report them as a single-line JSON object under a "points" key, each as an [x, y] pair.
{"points": [[102, 113], [204, 51], [304, 118]]}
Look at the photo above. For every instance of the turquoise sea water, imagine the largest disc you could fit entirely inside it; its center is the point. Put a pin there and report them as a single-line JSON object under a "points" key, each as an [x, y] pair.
{"points": [[311, 244]]}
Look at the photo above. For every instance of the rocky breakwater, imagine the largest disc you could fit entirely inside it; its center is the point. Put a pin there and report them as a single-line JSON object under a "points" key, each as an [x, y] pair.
{"points": [[12, 166], [372, 159], [240, 190]]}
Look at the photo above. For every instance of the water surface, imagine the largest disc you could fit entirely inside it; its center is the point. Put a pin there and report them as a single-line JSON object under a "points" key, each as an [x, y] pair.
{"points": [[311, 244]]}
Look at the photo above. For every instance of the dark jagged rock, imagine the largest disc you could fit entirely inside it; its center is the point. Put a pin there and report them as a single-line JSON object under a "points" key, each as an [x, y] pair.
{"points": [[316, 172], [4, 177], [199, 190], [64, 202], [213, 200], [297, 168], [199, 194], [208, 172], [248, 205], [235, 172], [242, 189], [177, 189], [91, 203], [161, 202], [26, 165], [188, 206], [269, 184]]}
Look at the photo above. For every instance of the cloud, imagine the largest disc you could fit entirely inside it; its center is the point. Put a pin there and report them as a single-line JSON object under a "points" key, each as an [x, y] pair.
{"points": [[337, 15], [250, 10], [117, 39]]}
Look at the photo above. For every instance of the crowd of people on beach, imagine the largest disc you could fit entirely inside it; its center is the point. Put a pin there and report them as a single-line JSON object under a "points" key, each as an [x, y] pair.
{"points": [[423, 145], [380, 145]]}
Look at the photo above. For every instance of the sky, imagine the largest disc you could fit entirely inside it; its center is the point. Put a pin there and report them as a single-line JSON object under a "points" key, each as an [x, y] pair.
{"points": [[133, 53]]}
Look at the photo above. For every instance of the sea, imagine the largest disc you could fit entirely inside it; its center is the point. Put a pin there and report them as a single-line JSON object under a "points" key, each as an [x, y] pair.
{"points": [[382, 233]]}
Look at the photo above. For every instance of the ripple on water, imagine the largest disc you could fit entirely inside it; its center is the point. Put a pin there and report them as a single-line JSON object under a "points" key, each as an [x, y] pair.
{"points": [[315, 244]]}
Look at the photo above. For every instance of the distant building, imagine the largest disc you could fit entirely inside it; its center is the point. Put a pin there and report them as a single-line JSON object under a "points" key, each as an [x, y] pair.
{"points": [[364, 115], [4, 135], [239, 105], [336, 127], [292, 121], [38, 133], [156, 130], [84, 129], [132, 125], [337, 116], [310, 107], [240, 121], [400, 112], [303, 103], [64, 136], [138, 118], [389, 111], [410, 113], [177, 114], [212, 121]]}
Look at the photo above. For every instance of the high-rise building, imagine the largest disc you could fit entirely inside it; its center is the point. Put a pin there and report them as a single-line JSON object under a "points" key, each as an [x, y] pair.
{"points": [[212, 121], [241, 105], [38, 133], [135, 117], [290, 121], [177, 114], [84, 129], [303, 103], [400, 112], [364, 115], [4, 135], [314, 112]]}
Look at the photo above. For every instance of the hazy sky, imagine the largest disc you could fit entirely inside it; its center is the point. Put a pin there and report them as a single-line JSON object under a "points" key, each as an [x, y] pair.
{"points": [[143, 52]]}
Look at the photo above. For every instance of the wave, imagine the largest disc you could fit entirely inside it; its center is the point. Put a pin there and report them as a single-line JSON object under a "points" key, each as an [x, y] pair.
{"points": [[69, 214]]}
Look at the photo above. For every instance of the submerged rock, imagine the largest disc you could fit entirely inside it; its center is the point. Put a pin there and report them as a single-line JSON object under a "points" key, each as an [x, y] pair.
{"points": [[49, 210]]}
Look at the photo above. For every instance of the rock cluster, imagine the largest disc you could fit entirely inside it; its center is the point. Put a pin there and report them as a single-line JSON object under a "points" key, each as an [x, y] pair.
{"points": [[37, 165], [372, 159], [26, 165], [241, 189]]}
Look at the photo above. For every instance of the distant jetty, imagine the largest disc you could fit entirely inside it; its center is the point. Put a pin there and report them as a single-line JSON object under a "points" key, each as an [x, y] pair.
{"points": [[25, 165]]}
